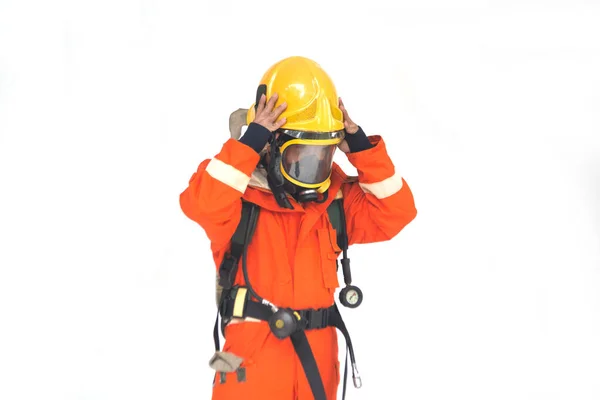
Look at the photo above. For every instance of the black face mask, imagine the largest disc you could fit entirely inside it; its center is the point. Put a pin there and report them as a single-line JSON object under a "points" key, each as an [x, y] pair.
{"points": [[279, 185], [301, 194], [275, 178]]}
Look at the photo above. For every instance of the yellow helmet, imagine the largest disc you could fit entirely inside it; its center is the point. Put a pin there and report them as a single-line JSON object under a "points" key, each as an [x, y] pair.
{"points": [[311, 97], [314, 122]]}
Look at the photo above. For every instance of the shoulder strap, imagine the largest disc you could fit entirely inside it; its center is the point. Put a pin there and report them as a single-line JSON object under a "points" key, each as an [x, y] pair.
{"points": [[338, 220], [229, 265], [238, 238]]}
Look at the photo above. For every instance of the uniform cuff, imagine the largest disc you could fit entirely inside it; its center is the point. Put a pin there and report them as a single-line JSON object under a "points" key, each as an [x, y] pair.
{"points": [[358, 141], [256, 136]]}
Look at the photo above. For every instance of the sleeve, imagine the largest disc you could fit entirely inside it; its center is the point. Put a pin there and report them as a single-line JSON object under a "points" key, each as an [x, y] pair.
{"points": [[380, 204], [214, 192]]}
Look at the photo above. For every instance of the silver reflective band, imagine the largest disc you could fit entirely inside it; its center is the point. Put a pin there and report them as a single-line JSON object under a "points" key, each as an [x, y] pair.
{"points": [[384, 188], [313, 135], [228, 175]]}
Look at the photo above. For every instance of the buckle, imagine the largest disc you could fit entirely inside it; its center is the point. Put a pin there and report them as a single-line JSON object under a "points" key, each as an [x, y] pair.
{"points": [[325, 318], [317, 319], [227, 271], [223, 302]]}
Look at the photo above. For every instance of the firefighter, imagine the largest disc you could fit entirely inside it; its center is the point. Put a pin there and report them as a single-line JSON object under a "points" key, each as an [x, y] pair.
{"points": [[278, 309]]}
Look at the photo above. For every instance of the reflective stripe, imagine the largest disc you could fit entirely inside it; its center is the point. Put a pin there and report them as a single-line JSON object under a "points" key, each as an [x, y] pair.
{"points": [[240, 301], [247, 319], [385, 188], [228, 175]]}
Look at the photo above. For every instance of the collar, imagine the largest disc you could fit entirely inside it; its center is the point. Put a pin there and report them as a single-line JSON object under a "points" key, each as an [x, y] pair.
{"points": [[258, 191]]}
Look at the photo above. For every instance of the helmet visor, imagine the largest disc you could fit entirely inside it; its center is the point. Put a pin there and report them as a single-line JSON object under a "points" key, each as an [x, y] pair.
{"points": [[308, 163]]}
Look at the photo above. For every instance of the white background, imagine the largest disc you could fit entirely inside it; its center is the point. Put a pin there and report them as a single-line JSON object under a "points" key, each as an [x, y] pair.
{"points": [[490, 110]]}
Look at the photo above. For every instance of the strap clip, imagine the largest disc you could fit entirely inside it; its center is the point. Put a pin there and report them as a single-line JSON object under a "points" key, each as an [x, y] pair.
{"points": [[227, 271], [317, 319]]}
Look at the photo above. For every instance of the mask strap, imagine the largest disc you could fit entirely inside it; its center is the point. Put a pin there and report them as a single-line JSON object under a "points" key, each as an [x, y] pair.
{"points": [[275, 177]]}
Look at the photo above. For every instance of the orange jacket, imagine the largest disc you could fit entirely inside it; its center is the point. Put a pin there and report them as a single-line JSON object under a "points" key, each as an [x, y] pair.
{"points": [[292, 257]]}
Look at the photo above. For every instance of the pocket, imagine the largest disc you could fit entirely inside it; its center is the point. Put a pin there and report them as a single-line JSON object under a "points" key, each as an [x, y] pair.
{"points": [[329, 254], [245, 340]]}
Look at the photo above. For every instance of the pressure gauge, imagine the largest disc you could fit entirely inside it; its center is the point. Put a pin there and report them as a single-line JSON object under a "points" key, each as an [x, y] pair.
{"points": [[351, 296]]}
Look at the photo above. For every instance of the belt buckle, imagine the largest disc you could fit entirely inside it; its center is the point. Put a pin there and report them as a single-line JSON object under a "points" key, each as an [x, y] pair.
{"points": [[317, 319]]}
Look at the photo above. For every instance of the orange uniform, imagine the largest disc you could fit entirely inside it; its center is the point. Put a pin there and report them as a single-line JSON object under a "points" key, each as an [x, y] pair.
{"points": [[292, 257]]}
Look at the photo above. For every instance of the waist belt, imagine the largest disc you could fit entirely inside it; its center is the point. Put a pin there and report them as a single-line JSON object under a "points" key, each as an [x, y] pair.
{"points": [[235, 303]]}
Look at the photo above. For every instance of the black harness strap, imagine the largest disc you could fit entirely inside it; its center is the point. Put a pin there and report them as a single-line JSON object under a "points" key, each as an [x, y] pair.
{"points": [[309, 364], [230, 264], [336, 216], [338, 220]]}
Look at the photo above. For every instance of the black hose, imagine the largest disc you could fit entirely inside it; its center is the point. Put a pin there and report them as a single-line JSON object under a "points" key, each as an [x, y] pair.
{"points": [[245, 254], [345, 244]]}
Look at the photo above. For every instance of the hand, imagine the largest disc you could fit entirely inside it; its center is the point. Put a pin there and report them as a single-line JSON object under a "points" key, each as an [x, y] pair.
{"points": [[349, 125], [267, 116]]}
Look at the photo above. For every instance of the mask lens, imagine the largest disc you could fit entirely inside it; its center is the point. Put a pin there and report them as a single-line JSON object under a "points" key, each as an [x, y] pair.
{"points": [[308, 163]]}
